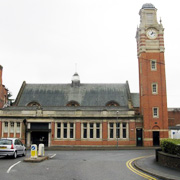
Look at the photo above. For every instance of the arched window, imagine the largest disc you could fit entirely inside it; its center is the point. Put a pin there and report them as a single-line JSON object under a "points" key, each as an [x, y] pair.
{"points": [[34, 103], [112, 103], [72, 104]]}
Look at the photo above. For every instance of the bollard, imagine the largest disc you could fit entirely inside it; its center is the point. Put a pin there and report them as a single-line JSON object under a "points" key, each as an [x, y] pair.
{"points": [[34, 151], [41, 150]]}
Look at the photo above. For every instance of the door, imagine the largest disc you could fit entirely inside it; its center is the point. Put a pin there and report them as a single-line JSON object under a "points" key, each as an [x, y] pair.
{"points": [[156, 138], [39, 138], [139, 141]]}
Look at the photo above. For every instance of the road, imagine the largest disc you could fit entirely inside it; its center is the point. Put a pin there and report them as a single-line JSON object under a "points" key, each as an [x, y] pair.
{"points": [[74, 165]]}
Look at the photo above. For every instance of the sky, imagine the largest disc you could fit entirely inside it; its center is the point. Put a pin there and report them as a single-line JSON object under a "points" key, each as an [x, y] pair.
{"points": [[44, 41]]}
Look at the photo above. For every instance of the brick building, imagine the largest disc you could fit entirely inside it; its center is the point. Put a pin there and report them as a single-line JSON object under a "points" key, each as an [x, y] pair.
{"points": [[3, 90], [152, 82], [77, 114], [174, 122]]}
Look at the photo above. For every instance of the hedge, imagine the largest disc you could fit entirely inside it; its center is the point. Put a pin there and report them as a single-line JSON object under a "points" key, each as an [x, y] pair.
{"points": [[171, 146]]}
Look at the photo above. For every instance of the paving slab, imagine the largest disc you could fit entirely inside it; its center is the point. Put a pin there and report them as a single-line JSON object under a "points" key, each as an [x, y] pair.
{"points": [[150, 166]]}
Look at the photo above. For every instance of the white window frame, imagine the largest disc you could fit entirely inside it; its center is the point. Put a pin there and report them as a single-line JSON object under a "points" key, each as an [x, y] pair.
{"points": [[93, 128], [6, 125], [58, 128], [63, 128], [153, 66], [155, 111], [71, 128], [12, 126], [154, 88], [97, 129], [18, 127], [115, 128], [124, 128]]}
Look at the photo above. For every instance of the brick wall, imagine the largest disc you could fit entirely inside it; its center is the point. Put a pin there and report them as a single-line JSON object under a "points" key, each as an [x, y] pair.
{"points": [[174, 116], [3, 90]]}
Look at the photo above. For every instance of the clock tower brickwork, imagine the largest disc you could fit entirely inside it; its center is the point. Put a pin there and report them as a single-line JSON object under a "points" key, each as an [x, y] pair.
{"points": [[152, 80]]}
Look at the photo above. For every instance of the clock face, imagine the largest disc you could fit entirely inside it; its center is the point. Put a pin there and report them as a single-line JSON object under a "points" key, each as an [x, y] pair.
{"points": [[152, 33]]}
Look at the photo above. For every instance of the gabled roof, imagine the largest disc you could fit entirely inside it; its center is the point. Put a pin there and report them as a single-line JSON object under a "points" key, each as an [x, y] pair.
{"points": [[58, 95]]}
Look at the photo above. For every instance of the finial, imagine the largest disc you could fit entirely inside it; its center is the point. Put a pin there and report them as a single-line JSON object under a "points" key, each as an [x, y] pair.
{"points": [[75, 67]]}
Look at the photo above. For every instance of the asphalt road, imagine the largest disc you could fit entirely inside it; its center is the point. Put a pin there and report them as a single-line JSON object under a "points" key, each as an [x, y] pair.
{"points": [[74, 165]]}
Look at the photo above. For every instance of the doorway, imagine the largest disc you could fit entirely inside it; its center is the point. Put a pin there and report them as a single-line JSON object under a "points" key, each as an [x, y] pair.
{"points": [[156, 141], [39, 138], [139, 141]]}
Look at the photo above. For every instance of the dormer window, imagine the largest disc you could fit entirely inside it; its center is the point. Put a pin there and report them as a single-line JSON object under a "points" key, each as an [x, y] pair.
{"points": [[34, 104], [73, 104], [112, 103]]}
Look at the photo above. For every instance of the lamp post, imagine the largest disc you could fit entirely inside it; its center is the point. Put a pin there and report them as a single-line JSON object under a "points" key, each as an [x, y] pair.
{"points": [[25, 125], [116, 128]]}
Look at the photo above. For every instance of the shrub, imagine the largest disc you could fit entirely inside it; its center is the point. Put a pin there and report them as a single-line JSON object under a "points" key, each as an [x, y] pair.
{"points": [[171, 146]]}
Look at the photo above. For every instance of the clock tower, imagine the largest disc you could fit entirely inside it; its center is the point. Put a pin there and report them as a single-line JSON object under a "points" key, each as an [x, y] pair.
{"points": [[152, 80]]}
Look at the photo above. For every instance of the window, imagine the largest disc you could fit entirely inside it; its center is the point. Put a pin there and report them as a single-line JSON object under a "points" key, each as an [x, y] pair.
{"points": [[5, 127], [97, 130], [112, 103], [34, 104], [65, 130], [154, 88], [117, 130], [58, 130], [84, 130], [155, 112], [111, 128], [73, 104], [12, 127], [71, 130], [153, 65], [91, 129], [18, 127], [124, 130]]}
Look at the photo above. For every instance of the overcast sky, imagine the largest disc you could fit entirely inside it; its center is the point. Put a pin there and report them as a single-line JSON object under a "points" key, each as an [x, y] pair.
{"points": [[42, 40]]}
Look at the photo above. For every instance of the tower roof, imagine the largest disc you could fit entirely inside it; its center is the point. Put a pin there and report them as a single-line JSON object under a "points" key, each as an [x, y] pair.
{"points": [[148, 6], [75, 77]]}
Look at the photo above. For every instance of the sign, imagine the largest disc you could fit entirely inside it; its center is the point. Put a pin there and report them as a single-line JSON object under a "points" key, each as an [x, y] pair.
{"points": [[33, 151], [33, 148]]}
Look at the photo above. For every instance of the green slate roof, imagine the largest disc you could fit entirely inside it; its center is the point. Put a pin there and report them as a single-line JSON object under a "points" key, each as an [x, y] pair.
{"points": [[87, 95]]}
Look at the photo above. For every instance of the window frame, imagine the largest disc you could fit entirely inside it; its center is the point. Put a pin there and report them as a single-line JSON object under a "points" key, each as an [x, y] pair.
{"points": [[155, 114], [64, 130], [6, 127], [93, 130], [113, 129], [153, 66], [156, 88], [12, 127]]}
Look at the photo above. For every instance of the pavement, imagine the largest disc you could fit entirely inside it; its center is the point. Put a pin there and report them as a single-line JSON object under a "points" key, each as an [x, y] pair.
{"points": [[150, 166], [146, 164], [36, 160]]}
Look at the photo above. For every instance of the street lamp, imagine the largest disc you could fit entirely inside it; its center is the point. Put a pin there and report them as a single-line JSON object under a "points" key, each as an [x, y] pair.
{"points": [[25, 125], [117, 128]]}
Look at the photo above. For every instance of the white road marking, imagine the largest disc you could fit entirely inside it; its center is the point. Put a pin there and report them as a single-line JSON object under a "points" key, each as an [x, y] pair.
{"points": [[52, 156], [13, 166]]}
